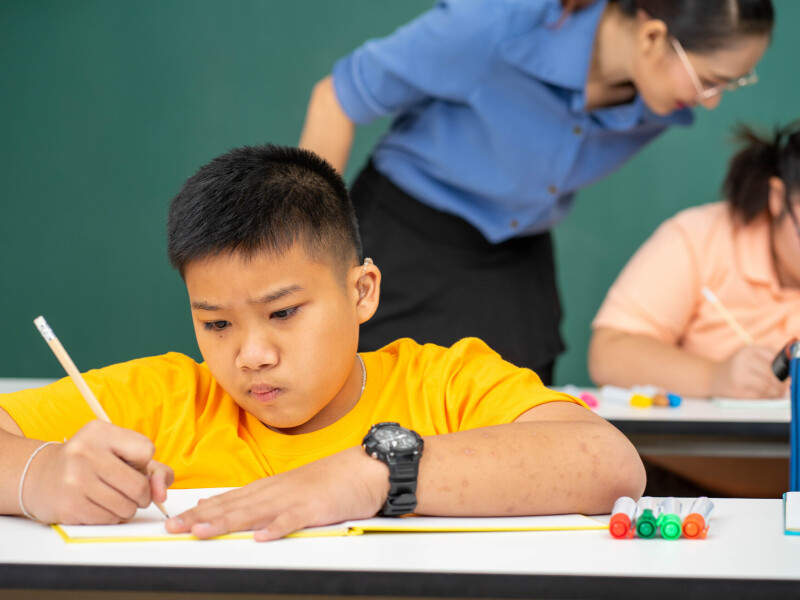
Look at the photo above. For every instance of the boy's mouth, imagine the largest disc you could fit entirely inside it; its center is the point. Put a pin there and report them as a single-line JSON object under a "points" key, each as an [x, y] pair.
{"points": [[264, 393]]}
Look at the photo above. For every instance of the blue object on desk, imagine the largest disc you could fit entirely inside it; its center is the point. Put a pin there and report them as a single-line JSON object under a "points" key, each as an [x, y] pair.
{"points": [[794, 475]]}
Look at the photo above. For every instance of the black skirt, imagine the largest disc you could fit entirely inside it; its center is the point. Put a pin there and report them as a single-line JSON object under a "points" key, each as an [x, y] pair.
{"points": [[443, 281]]}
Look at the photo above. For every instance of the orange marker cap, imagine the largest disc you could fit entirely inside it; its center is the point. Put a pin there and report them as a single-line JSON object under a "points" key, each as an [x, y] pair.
{"points": [[694, 526]]}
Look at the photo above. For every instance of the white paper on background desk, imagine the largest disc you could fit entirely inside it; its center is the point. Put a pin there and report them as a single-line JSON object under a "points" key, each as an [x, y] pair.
{"points": [[752, 402], [148, 524]]}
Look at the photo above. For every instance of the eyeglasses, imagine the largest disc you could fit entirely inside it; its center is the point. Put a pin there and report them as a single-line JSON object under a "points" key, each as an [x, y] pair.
{"points": [[704, 93]]}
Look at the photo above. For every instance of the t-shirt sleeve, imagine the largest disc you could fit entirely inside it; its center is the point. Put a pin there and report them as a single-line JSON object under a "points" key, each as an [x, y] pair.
{"points": [[655, 294], [441, 54], [132, 394], [481, 389]]}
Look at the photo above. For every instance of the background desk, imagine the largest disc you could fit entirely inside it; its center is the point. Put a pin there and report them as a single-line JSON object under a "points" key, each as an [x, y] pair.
{"points": [[701, 428], [745, 556]]}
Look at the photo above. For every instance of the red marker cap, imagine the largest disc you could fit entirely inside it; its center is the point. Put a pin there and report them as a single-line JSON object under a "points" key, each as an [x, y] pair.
{"points": [[620, 526]]}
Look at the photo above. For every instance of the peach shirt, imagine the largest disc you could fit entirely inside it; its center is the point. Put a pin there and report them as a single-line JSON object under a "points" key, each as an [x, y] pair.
{"points": [[658, 293]]}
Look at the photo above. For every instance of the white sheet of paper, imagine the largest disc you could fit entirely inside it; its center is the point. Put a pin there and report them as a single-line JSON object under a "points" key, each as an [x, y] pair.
{"points": [[752, 402], [148, 524]]}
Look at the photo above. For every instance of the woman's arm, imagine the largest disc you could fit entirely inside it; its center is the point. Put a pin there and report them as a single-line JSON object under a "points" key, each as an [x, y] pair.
{"points": [[624, 359], [327, 131]]}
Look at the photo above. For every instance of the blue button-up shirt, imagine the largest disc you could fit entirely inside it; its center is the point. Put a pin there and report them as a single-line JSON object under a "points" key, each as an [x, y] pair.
{"points": [[490, 101]]}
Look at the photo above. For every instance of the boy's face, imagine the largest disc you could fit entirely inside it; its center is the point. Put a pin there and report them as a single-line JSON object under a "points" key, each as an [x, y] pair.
{"points": [[279, 334]]}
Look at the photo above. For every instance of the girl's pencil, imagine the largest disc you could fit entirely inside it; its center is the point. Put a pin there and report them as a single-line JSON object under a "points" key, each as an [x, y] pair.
{"points": [[711, 297], [77, 378]]}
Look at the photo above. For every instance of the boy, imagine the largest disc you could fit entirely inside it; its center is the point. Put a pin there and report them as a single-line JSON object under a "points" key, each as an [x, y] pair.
{"points": [[266, 241]]}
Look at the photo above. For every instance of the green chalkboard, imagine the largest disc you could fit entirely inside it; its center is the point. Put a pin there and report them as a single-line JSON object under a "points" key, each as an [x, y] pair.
{"points": [[107, 106]]}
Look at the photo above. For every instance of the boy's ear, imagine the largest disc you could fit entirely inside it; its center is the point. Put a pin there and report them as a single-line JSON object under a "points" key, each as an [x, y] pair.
{"points": [[367, 290], [776, 201]]}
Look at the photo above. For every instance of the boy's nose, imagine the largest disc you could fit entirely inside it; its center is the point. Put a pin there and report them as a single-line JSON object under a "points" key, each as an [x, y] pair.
{"points": [[256, 353]]}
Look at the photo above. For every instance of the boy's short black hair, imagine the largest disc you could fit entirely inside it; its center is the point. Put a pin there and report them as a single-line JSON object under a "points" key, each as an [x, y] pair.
{"points": [[264, 198]]}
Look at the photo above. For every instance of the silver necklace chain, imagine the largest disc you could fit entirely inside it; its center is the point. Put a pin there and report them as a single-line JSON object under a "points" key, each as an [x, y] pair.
{"points": [[363, 375]]}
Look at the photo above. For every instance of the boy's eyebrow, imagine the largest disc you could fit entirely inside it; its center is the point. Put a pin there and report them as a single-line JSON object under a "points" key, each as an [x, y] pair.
{"points": [[266, 299], [277, 295]]}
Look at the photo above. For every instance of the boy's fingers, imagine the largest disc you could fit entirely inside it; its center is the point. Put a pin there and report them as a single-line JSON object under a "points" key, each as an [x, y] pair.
{"points": [[161, 477], [281, 526], [117, 503], [126, 480], [132, 447]]}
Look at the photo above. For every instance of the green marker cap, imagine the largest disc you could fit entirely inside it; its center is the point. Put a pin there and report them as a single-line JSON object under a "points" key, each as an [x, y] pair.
{"points": [[670, 526], [646, 524]]}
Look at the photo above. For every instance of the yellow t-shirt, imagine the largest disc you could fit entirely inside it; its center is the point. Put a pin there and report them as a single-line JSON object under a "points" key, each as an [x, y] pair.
{"points": [[201, 433]]}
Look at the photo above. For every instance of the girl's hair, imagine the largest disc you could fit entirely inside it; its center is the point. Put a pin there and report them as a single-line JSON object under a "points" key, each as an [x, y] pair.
{"points": [[700, 25], [746, 185]]}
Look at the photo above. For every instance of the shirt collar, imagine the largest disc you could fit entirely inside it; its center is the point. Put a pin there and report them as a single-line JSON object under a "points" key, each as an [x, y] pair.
{"points": [[559, 53]]}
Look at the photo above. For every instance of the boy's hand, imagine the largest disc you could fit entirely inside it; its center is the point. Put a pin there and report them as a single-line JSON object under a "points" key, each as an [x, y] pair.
{"points": [[100, 476], [347, 485]]}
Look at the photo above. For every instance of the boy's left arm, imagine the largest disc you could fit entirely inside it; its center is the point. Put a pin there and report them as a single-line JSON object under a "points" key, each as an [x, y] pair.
{"points": [[556, 458]]}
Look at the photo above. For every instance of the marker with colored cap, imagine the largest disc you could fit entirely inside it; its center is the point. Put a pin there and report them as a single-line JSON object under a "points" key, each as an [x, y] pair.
{"points": [[623, 517], [696, 524], [669, 518], [646, 517]]}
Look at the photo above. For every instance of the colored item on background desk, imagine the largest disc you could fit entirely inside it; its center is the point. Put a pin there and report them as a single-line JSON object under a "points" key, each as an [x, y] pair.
{"points": [[590, 399], [646, 517], [639, 396], [623, 518], [674, 400], [696, 523], [587, 397], [669, 518]]}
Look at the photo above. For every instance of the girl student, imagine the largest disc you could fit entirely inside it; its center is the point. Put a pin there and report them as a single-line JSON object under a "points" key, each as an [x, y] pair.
{"points": [[656, 325], [656, 319], [502, 110]]}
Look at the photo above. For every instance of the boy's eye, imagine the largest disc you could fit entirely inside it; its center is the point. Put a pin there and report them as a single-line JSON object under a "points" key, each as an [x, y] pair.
{"points": [[216, 325], [285, 313]]}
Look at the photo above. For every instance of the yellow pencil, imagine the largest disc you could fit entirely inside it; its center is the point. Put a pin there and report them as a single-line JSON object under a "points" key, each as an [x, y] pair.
{"points": [[77, 378], [712, 298]]}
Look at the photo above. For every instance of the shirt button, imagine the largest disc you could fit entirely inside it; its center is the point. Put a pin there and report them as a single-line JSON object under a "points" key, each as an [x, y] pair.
{"points": [[514, 224], [552, 189], [577, 130]]}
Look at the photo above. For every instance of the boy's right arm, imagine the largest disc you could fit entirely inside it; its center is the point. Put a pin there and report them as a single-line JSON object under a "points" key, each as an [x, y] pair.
{"points": [[101, 475], [327, 131]]}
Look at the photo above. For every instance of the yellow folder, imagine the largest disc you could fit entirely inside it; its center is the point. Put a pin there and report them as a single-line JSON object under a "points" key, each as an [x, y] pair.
{"points": [[148, 524]]}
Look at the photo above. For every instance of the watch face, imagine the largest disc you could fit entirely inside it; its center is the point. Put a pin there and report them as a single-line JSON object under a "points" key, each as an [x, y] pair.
{"points": [[394, 438]]}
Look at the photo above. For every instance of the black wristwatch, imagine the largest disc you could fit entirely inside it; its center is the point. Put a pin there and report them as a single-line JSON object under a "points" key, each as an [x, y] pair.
{"points": [[400, 449]]}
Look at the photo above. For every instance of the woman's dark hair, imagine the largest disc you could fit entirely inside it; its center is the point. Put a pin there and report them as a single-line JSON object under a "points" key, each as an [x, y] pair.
{"points": [[700, 25], [746, 185]]}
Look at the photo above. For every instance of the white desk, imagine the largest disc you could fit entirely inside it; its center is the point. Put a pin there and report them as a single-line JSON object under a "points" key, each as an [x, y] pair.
{"points": [[745, 556]]}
